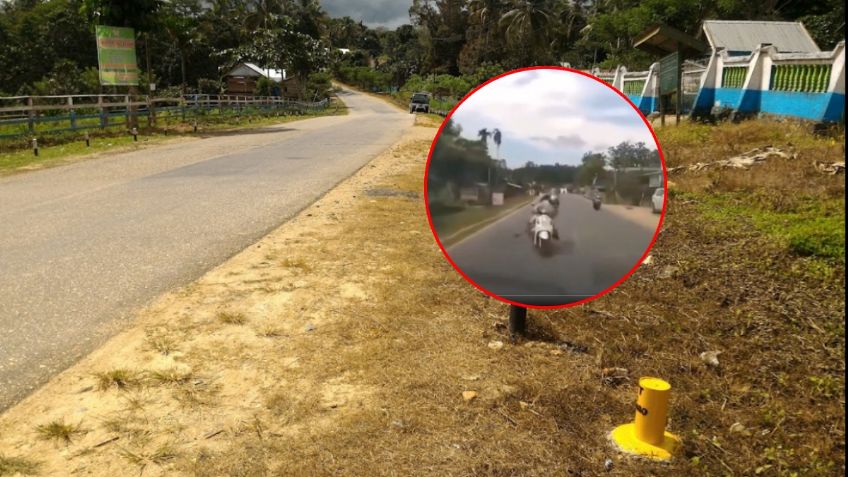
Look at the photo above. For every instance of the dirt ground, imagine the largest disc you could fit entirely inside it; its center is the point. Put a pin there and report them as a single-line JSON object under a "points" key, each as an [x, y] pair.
{"points": [[342, 344]]}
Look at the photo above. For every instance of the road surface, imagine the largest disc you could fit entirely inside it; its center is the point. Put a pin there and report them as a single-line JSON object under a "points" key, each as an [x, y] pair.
{"points": [[595, 249], [84, 246]]}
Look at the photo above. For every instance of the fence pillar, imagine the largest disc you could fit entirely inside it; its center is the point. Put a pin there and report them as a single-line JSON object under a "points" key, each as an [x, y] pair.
{"points": [[151, 112], [104, 118], [127, 111], [30, 115], [72, 113]]}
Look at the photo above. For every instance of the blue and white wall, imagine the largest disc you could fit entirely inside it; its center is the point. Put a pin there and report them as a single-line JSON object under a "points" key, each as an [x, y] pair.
{"points": [[746, 86], [759, 94]]}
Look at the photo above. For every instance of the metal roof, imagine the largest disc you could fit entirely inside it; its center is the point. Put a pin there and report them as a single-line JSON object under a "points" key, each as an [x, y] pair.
{"points": [[250, 69], [662, 40], [745, 36]]}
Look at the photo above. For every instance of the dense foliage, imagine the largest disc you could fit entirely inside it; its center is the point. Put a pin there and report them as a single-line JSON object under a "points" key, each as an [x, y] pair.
{"points": [[47, 46]]}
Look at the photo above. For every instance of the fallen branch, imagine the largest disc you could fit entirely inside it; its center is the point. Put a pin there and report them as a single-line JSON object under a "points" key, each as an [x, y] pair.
{"points": [[742, 161]]}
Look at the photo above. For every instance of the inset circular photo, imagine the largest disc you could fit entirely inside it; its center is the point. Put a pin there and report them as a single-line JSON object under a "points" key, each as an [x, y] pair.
{"points": [[545, 187]]}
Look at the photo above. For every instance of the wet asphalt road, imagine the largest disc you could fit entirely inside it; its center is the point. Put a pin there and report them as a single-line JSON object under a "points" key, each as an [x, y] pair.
{"points": [[83, 246], [595, 249]]}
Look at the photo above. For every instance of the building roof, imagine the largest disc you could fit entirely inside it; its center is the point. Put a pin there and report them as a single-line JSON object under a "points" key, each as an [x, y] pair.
{"points": [[250, 69], [662, 40], [745, 36]]}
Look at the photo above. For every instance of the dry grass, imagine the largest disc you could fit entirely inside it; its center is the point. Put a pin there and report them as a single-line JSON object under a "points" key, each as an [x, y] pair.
{"points": [[161, 341], [122, 379], [158, 456], [17, 466], [171, 377], [231, 318], [58, 431], [299, 264], [380, 345]]}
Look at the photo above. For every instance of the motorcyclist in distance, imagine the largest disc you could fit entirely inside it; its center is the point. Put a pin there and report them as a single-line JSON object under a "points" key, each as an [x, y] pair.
{"points": [[543, 205]]}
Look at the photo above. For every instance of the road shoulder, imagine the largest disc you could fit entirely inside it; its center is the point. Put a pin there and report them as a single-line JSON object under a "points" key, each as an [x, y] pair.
{"points": [[233, 332]]}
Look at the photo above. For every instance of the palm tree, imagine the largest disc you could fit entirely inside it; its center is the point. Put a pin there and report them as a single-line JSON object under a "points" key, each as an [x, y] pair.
{"points": [[261, 12], [486, 11], [484, 136], [528, 20]]}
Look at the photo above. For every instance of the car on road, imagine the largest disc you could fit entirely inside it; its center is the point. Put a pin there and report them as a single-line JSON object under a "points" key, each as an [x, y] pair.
{"points": [[420, 102], [657, 200]]}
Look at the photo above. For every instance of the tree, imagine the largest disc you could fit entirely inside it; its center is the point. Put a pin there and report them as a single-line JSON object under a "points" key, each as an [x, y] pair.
{"points": [[627, 154], [528, 23], [592, 168], [484, 134], [179, 19]]}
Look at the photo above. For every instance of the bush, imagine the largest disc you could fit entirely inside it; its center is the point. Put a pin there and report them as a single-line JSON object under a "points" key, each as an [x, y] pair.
{"points": [[209, 86], [318, 86], [365, 78], [266, 87]]}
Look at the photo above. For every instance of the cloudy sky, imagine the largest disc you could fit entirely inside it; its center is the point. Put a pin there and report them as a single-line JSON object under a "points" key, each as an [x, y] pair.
{"points": [[550, 116], [374, 13]]}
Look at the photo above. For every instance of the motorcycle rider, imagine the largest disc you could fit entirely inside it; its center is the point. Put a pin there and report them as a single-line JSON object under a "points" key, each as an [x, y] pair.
{"points": [[543, 205]]}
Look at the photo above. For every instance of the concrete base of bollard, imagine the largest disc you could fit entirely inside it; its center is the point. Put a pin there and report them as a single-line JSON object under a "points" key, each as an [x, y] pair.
{"points": [[624, 437]]}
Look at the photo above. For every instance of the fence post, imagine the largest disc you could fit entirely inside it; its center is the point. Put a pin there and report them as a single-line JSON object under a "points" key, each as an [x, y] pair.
{"points": [[151, 112], [104, 119], [127, 112], [30, 115], [72, 113], [517, 320]]}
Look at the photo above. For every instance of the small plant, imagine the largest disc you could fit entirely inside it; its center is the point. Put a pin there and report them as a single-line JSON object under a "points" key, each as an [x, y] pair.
{"points": [[232, 318], [297, 263], [159, 456], [17, 465], [161, 342], [269, 331], [172, 377], [58, 431], [119, 378]]}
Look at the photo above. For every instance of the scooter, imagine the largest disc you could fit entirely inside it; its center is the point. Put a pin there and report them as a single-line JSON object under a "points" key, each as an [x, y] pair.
{"points": [[543, 232], [596, 201]]}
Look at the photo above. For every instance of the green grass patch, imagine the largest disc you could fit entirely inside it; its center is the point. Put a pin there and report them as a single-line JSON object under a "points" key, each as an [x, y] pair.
{"points": [[455, 223], [54, 149], [813, 227]]}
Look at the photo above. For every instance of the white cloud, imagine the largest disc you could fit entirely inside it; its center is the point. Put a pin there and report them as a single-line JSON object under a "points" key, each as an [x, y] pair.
{"points": [[553, 109]]}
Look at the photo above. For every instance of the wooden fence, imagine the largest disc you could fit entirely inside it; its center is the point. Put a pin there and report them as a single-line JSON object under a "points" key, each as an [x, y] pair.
{"points": [[34, 115]]}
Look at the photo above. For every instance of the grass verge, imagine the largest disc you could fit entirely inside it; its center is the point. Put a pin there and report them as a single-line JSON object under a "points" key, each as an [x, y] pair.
{"points": [[378, 343], [56, 149], [453, 225]]}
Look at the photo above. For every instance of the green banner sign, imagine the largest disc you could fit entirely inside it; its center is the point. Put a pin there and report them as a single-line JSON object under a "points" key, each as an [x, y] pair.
{"points": [[670, 73], [116, 56]]}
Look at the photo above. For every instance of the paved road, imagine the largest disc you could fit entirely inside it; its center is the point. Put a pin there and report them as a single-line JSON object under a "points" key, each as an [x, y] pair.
{"points": [[83, 246], [596, 248]]}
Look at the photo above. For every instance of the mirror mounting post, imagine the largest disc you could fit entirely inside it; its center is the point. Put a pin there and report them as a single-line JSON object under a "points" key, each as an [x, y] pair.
{"points": [[517, 320]]}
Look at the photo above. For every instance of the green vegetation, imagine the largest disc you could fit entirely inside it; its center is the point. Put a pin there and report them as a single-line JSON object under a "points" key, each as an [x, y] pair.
{"points": [[15, 154], [58, 431], [449, 46], [785, 205], [812, 228], [456, 223], [17, 465]]}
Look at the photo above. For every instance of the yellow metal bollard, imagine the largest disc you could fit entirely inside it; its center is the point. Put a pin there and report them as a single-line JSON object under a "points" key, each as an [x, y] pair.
{"points": [[646, 435]]}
